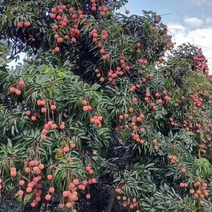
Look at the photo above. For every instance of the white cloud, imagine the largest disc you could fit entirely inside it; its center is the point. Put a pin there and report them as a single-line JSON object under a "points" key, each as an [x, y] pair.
{"points": [[206, 3], [176, 29], [199, 37], [209, 20], [193, 22]]}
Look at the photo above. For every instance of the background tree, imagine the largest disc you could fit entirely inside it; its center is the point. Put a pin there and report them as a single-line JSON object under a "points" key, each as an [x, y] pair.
{"points": [[99, 118]]}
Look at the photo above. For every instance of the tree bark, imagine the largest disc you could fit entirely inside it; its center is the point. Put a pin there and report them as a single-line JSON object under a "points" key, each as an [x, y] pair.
{"points": [[111, 201]]}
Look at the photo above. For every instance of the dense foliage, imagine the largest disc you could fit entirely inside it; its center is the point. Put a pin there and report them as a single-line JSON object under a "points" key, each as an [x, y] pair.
{"points": [[104, 115]]}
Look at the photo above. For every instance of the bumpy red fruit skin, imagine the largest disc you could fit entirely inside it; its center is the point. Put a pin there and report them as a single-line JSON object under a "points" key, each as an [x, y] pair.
{"points": [[20, 24], [56, 50], [43, 110], [88, 196], [33, 118], [21, 84], [20, 193], [53, 16], [21, 182], [50, 177], [27, 24], [28, 113], [62, 126], [53, 107], [53, 10], [48, 197], [43, 137], [60, 40], [13, 173]]}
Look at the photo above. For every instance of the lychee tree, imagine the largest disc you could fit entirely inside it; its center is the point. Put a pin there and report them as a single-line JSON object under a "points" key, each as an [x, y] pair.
{"points": [[103, 115]]}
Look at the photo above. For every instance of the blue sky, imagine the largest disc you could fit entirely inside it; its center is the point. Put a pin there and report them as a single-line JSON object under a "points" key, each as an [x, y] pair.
{"points": [[178, 9], [188, 20]]}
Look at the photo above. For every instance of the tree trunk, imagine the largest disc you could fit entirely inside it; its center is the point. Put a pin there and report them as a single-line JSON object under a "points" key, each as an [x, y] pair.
{"points": [[111, 201]]}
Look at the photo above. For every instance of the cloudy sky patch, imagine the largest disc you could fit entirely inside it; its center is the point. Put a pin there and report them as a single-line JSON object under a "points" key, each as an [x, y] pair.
{"points": [[193, 22], [187, 20]]}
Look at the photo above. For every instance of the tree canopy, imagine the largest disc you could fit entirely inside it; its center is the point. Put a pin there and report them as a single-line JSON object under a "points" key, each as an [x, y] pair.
{"points": [[104, 115]]}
